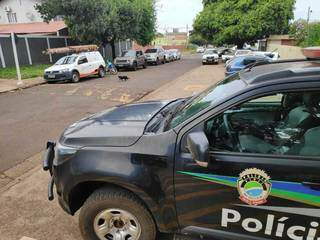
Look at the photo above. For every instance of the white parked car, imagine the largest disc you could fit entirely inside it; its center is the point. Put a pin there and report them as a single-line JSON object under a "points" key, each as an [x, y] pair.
{"points": [[210, 56], [176, 54], [273, 55], [169, 56], [155, 55], [242, 53], [227, 55], [76, 66], [200, 50]]}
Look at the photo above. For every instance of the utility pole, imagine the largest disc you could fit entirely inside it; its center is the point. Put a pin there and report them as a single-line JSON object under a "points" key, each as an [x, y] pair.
{"points": [[16, 60], [187, 43], [308, 23]]}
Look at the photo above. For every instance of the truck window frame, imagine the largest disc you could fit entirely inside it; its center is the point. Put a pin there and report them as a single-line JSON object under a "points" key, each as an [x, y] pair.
{"points": [[197, 124]]}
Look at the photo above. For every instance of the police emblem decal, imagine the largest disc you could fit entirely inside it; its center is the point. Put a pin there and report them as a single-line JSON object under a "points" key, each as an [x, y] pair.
{"points": [[254, 186]]}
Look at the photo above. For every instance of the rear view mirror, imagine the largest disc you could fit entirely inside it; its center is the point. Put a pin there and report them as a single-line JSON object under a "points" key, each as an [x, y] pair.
{"points": [[198, 146]]}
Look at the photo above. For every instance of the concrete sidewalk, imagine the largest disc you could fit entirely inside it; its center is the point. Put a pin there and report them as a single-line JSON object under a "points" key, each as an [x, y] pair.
{"points": [[25, 210], [7, 85]]}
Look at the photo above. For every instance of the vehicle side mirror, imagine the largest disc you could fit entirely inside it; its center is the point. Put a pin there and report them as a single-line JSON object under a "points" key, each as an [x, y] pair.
{"points": [[198, 146]]}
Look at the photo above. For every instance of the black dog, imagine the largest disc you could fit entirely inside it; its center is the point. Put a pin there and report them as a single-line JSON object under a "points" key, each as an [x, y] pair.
{"points": [[123, 78]]}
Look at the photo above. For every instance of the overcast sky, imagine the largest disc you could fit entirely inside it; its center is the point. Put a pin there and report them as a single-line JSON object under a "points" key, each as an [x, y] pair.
{"points": [[180, 13]]}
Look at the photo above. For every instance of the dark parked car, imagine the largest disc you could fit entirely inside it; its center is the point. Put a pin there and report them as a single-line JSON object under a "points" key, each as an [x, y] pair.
{"points": [[240, 160], [239, 63], [131, 59]]}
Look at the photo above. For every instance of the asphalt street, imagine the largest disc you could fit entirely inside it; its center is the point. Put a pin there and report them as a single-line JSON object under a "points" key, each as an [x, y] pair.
{"points": [[32, 116]]}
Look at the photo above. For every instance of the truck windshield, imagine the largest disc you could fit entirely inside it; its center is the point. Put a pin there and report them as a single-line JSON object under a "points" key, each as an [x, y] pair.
{"points": [[151, 50], [211, 51], [207, 98], [130, 53], [66, 60]]}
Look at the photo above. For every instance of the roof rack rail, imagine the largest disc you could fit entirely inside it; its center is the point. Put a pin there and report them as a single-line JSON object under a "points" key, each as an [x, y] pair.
{"points": [[261, 63]]}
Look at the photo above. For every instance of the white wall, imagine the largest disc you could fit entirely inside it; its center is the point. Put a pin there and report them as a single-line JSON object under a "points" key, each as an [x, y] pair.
{"points": [[286, 52], [24, 10]]}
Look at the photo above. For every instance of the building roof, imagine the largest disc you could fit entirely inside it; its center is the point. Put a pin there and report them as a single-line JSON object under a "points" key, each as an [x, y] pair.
{"points": [[32, 28]]}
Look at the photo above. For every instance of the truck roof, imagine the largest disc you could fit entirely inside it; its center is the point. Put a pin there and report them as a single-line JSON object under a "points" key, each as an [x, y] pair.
{"points": [[281, 71]]}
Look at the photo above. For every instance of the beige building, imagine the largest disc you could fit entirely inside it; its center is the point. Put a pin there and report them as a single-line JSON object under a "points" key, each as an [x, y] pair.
{"points": [[19, 11]]}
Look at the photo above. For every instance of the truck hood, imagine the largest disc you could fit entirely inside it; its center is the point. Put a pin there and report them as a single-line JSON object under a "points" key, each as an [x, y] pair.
{"points": [[117, 127], [151, 54], [210, 55], [59, 67]]}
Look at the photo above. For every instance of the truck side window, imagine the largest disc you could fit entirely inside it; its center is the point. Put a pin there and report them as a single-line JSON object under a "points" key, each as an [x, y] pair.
{"points": [[281, 124], [82, 60]]}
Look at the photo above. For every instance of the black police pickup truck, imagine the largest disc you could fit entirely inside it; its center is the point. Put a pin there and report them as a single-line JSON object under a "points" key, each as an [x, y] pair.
{"points": [[240, 160]]}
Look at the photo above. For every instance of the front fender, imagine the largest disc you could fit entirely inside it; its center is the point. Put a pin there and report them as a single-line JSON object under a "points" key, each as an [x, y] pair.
{"points": [[145, 176]]}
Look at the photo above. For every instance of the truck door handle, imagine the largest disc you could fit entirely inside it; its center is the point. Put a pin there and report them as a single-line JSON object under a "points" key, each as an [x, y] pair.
{"points": [[312, 185]]}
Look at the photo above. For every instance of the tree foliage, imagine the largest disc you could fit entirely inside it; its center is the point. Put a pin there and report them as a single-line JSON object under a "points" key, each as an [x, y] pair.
{"points": [[305, 34], [102, 21], [197, 39], [240, 21], [298, 30]]}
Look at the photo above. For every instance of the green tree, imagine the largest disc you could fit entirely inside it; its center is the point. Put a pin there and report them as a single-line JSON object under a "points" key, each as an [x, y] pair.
{"points": [[197, 39], [305, 34], [313, 35], [299, 31], [104, 21], [240, 21]]}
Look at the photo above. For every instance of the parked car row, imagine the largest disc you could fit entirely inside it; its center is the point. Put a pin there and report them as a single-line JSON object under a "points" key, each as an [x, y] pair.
{"points": [[133, 59], [237, 60], [76, 66]]}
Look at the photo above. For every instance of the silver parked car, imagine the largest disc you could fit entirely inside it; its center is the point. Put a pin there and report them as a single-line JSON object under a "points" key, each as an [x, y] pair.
{"points": [[155, 55], [176, 54], [169, 56], [131, 59]]}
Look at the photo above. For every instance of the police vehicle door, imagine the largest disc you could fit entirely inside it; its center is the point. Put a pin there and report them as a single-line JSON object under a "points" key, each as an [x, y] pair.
{"points": [[263, 173]]}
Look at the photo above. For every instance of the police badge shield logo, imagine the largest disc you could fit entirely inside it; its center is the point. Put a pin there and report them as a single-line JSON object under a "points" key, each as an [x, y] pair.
{"points": [[254, 186]]}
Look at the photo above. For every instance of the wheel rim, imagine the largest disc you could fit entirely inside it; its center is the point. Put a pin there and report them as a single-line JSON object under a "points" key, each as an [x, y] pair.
{"points": [[116, 224], [75, 77]]}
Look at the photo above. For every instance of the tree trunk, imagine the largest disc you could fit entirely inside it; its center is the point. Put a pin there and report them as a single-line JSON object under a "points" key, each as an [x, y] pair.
{"points": [[113, 47]]}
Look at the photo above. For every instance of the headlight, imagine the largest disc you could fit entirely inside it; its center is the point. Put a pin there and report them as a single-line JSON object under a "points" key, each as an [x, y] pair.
{"points": [[63, 153], [64, 70]]}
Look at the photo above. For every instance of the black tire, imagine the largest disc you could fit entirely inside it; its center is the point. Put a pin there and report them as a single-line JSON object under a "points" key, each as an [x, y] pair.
{"points": [[164, 60], [114, 198], [75, 77], [135, 66], [101, 72]]}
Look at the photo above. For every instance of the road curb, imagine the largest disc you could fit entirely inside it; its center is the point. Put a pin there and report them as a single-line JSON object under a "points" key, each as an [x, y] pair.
{"points": [[23, 87]]}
